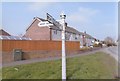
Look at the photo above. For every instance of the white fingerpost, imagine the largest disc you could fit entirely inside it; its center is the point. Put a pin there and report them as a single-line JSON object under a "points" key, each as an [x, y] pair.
{"points": [[63, 16]]}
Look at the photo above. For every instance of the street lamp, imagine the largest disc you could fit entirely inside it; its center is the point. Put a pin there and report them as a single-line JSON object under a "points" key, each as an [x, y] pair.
{"points": [[63, 16]]}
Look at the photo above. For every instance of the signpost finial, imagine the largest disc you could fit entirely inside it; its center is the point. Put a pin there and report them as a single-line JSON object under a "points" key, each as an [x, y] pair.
{"points": [[62, 15]]}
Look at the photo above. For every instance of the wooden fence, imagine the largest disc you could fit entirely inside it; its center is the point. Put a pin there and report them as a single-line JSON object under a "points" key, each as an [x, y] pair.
{"points": [[34, 45]]}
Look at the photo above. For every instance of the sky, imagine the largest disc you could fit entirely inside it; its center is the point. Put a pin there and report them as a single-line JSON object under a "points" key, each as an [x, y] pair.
{"points": [[99, 19]]}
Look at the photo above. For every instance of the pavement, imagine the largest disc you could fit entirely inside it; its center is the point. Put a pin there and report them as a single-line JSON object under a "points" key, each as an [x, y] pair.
{"points": [[110, 50]]}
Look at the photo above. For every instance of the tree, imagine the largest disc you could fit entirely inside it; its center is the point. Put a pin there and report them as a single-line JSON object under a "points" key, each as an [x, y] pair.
{"points": [[109, 41]]}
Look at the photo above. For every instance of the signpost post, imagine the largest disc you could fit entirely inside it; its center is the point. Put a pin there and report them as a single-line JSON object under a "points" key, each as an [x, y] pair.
{"points": [[63, 16], [53, 21]]}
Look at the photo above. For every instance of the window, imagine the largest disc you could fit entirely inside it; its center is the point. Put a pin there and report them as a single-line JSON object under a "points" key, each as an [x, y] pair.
{"points": [[66, 32], [76, 38], [1, 37], [55, 31]]}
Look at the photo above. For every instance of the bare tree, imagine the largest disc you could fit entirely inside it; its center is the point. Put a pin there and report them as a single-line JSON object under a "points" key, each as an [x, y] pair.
{"points": [[109, 41]]}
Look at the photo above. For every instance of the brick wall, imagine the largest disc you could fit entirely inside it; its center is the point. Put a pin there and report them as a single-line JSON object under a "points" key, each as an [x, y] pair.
{"points": [[38, 33], [36, 49], [32, 45]]}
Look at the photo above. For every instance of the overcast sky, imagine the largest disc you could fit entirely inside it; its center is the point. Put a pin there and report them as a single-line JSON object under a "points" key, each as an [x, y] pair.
{"points": [[98, 19]]}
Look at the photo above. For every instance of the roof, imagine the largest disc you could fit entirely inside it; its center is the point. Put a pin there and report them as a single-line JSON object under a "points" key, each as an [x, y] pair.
{"points": [[71, 29], [4, 33], [34, 19], [54, 27], [14, 38], [40, 19], [89, 36], [68, 29]]}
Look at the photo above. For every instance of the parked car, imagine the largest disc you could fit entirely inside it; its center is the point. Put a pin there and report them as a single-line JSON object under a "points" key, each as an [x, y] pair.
{"points": [[109, 44], [91, 46]]}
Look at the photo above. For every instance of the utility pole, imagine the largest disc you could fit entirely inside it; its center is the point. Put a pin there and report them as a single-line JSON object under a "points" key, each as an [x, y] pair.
{"points": [[63, 16]]}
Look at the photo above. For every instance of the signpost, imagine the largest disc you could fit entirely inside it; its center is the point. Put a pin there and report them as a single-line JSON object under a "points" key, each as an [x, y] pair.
{"points": [[53, 21], [63, 16]]}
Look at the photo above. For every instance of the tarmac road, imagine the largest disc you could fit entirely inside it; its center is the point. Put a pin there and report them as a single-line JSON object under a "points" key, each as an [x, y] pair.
{"points": [[113, 51]]}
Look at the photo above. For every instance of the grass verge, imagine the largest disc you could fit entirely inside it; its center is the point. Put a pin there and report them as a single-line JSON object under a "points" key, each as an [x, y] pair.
{"points": [[92, 66]]}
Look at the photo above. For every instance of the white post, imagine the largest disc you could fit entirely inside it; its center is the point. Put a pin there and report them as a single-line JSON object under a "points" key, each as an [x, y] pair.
{"points": [[63, 48]]}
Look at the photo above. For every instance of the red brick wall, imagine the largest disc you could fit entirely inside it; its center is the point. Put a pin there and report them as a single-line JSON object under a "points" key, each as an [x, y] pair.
{"points": [[8, 56], [38, 33], [36, 49], [33, 45]]}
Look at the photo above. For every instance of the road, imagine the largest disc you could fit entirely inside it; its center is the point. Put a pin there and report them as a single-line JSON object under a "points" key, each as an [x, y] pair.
{"points": [[113, 51]]}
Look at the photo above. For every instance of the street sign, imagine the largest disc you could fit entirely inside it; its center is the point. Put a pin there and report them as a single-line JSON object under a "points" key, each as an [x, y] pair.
{"points": [[53, 21]]}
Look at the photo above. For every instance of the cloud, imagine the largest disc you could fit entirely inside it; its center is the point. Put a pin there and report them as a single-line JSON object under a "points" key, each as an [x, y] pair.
{"points": [[60, 0], [110, 28], [37, 6], [82, 16], [0, 16]]}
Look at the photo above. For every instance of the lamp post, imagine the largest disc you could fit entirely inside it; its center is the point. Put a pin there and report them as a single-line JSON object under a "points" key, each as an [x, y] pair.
{"points": [[63, 16]]}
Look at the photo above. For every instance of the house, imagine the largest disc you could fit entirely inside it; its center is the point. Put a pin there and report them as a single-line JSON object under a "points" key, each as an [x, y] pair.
{"points": [[6, 36], [87, 40], [41, 29], [4, 33]]}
